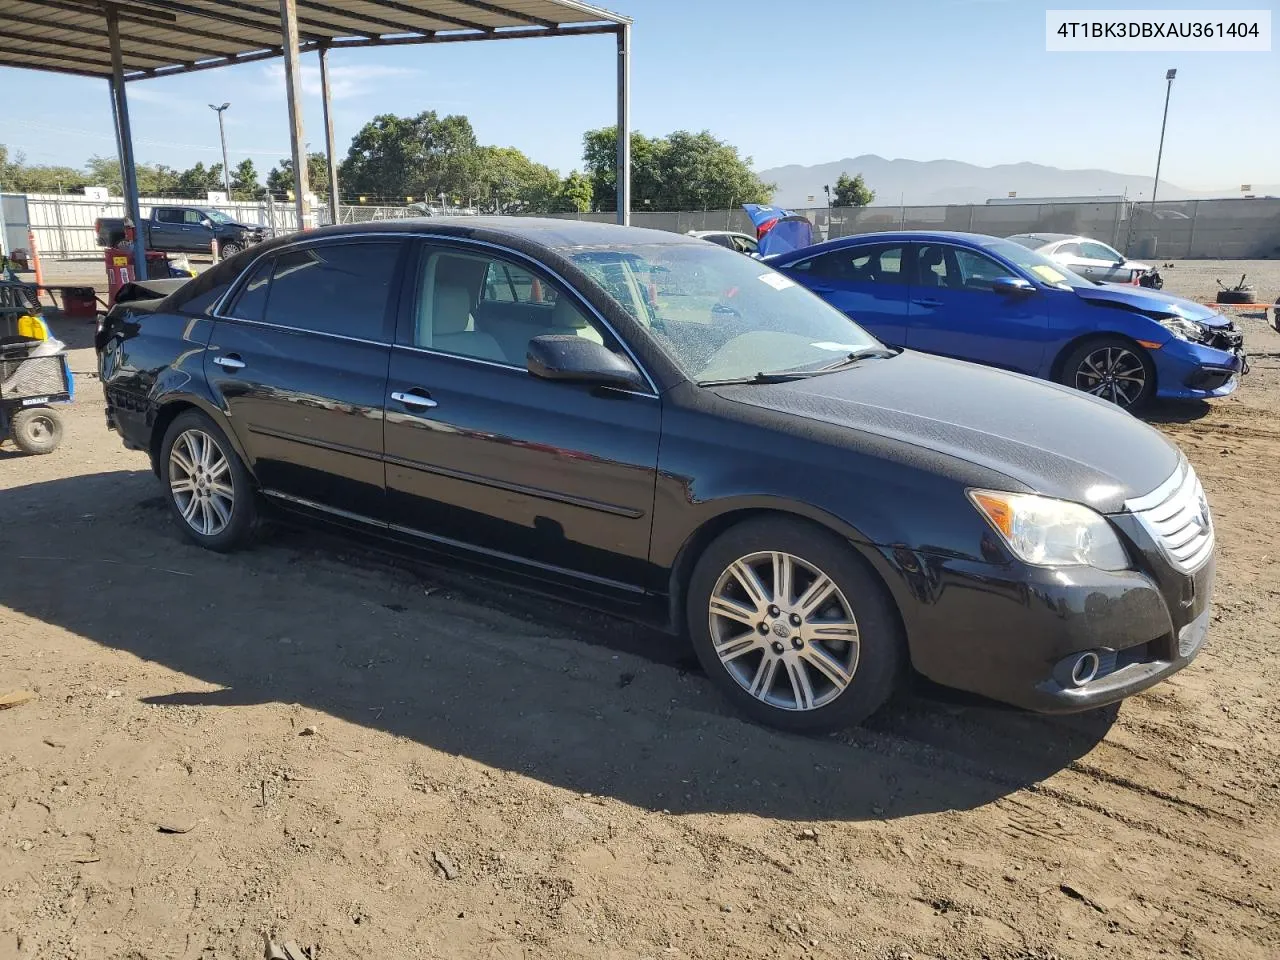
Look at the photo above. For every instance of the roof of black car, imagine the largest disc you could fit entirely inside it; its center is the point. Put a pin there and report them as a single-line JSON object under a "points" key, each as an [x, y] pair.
{"points": [[547, 231]]}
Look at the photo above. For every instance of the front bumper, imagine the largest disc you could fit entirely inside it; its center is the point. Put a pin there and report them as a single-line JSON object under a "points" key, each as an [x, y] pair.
{"points": [[1199, 371], [1011, 632]]}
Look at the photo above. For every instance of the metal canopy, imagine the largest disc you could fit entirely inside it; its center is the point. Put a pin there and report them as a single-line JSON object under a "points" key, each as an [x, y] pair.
{"points": [[165, 37], [160, 38]]}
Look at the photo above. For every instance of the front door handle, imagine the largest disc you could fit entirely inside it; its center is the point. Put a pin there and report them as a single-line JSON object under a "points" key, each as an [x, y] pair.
{"points": [[415, 399], [927, 302], [230, 362]]}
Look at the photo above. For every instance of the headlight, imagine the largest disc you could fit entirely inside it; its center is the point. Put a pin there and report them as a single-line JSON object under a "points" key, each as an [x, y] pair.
{"points": [[1182, 328], [1050, 533]]}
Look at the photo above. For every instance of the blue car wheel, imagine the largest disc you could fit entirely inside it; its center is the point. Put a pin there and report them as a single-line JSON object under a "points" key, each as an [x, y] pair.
{"points": [[1112, 368]]}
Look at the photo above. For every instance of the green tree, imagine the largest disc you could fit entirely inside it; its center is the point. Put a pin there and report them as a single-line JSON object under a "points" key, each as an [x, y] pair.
{"points": [[280, 178], [575, 193], [195, 182], [422, 156], [852, 191], [154, 180], [17, 175], [508, 182], [244, 182], [681, 171]]}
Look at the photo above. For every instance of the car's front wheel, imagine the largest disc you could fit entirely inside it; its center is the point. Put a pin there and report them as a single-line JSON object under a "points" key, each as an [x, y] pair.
{"points": [[793, 627], [208, 488], [229, 249], [1112, 368]]}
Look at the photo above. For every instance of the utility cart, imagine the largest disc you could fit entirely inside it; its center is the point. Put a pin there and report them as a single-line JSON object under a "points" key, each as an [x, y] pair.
{"points": [[34, 374]]}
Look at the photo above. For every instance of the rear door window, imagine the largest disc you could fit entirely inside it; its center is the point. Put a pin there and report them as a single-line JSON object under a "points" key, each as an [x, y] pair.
{"points": [[881, 263], [333, 288], [252, 300], [337, 288]]}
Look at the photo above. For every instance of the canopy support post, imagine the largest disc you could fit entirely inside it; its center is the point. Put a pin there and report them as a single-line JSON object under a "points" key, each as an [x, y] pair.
{"points": [[293, 94], [328, 134], [624, 124], [124, 145]]}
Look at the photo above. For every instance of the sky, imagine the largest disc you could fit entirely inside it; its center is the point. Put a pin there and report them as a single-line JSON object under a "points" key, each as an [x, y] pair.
{"points": [[920, 79]]}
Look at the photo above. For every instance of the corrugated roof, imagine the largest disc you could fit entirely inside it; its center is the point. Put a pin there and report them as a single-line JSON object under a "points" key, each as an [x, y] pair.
{"points": [[162, 37]]}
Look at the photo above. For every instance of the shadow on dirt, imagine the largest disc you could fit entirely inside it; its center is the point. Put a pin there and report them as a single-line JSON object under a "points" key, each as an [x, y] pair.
{"points": [[471, 668], [1180, 411]]}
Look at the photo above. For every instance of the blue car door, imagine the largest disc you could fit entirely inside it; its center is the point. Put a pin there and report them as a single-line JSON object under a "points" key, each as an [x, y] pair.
{"points": [[867, 281], [955, 311]]}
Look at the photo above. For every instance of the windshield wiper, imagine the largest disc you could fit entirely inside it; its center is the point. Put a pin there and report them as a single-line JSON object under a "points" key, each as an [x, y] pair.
{"points": [[782, 376], [862, 353]]}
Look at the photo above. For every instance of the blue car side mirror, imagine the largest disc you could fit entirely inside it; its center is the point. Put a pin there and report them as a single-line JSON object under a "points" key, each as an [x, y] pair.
{"points": [[1012, 286]]}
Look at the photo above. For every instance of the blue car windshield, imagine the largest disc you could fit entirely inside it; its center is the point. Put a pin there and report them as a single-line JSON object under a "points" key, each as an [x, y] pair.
{"points": [[720, 315], [217, 216], [1037, 264]]}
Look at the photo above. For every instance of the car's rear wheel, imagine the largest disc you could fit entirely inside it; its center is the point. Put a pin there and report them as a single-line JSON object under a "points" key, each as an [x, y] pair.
{"points": [[1112, 368], [791, 625], [208, 488]]}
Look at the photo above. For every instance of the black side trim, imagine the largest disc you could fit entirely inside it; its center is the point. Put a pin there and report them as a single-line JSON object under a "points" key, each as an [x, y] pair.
{"points": [[538, 492], [458, 544], [313, 442]]}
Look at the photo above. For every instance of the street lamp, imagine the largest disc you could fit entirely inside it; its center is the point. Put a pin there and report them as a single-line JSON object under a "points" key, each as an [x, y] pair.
{"points": [[1169, 75], [222, 132]]}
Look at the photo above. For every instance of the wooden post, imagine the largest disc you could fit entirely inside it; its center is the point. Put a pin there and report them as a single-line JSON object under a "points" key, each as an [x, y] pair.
{"points": [[293, 94]]}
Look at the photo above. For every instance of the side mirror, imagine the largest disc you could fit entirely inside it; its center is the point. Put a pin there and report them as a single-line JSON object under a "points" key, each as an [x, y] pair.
{"points": [[577, 360], [1012, 286]]}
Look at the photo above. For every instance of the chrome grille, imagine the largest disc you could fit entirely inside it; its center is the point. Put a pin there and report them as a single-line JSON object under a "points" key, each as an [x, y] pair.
{"points": [[1176, 515]]}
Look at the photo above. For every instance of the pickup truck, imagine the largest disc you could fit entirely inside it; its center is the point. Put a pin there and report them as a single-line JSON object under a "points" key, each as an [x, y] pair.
{"points": [[184, 230]]}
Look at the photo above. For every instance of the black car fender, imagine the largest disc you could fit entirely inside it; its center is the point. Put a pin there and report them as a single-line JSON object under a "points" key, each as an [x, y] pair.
{"points": [[169, 401]]}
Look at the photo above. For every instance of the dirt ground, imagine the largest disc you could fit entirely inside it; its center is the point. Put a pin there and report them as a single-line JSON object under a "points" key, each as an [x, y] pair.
{"points": [[384, 759]]}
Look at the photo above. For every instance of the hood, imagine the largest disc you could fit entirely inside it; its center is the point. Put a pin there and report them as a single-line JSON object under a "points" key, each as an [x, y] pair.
{"points": [[251, 227], [1051, 439], [1147, 300]]}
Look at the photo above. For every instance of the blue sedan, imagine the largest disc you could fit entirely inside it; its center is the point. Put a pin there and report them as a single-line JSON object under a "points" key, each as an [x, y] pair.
{"points": [[995, 302]]}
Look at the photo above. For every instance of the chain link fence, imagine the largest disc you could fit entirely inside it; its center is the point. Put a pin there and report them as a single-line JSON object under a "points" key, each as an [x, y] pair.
{"points": [[1191, 229]]}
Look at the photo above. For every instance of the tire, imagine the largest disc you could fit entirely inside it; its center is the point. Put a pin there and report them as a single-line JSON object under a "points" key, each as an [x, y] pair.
{"points": [[229, 249], [225, 512], [1247, 295], [1113, 369], [861, 661], [122, 244], [36, 430]]}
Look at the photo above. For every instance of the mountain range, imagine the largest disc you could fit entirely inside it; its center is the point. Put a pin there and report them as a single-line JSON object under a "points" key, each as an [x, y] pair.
{"points": [[925, 182]]}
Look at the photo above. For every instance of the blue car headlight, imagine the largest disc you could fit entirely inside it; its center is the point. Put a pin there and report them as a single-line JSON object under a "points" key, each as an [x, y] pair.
{"points": [[1183, 329]]}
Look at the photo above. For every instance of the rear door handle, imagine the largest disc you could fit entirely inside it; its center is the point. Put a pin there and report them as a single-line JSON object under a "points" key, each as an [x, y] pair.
{"points": [[230, 362], [416, 399], [927, 302]]}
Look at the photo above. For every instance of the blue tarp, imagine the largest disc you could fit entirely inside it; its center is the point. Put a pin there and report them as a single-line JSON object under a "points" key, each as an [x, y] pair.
{"points": [[778, 230]]}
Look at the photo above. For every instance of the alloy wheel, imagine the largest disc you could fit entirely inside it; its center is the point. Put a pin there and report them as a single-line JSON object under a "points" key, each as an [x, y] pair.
{"points": [[784, 631], [200, 482], [1112, 373]]}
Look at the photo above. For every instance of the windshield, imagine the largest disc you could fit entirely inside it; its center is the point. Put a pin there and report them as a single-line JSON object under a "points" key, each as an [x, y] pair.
{"points": [[1037, 264], [720, 315], [217, 216]]}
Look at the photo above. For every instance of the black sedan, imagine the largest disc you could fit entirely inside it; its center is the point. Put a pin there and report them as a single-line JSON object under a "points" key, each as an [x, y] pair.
{"points": [[671, 430]]}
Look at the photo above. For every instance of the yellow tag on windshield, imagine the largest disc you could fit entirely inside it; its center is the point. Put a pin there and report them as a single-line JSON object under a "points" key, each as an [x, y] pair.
{"points": [[1047, 273]]}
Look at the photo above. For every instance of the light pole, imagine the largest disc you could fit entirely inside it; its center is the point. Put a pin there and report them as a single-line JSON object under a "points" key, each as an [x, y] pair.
{"points": [[222, 132], [1160, 153]]}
